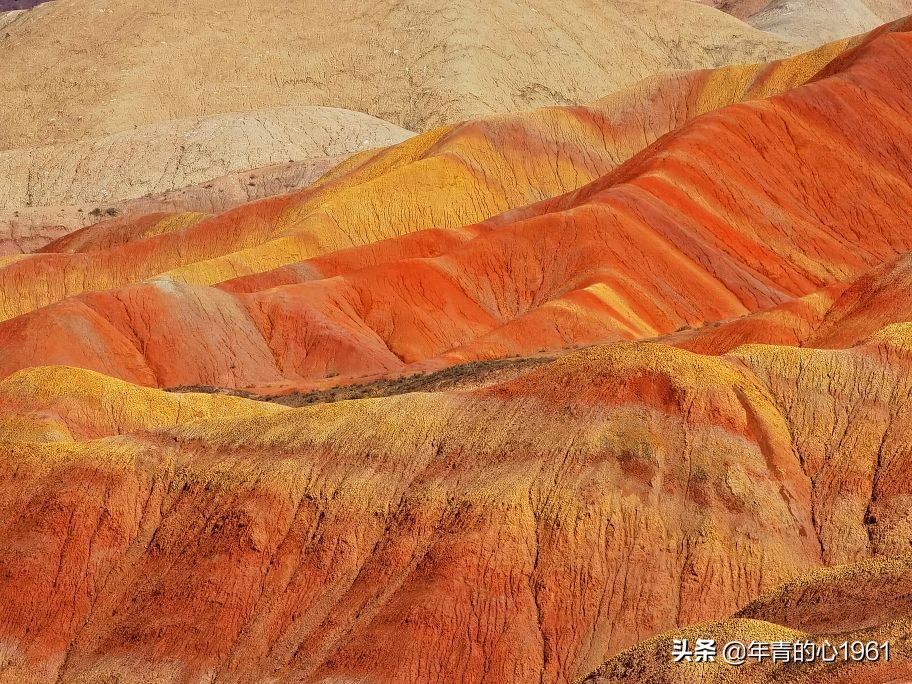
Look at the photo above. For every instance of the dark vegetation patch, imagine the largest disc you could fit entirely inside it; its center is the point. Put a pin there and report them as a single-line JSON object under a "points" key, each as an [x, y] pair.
{"points": [[454, 377], [98, 211]]}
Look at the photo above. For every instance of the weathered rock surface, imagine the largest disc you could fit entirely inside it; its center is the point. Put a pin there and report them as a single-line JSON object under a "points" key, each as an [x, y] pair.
{"points": [[621, 492], [161, 157], [735, 211], [561, 521], [60, 229], [808, 22], [842, 315], [47, 191]]}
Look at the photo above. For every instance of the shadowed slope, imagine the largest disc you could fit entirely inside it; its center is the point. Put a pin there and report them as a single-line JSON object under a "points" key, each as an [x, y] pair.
{"points": [[810, 22], [742, 9]]}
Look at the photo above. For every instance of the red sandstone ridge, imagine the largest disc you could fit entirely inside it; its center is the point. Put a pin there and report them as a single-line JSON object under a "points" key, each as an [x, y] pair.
{"points": [[738, 210], [301, 545], [660, 355], [839, 316]]}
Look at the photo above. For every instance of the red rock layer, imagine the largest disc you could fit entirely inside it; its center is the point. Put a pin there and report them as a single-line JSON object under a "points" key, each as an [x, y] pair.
{"points": [[445, 179], [526, 531], [739, 210], [842, 315]]}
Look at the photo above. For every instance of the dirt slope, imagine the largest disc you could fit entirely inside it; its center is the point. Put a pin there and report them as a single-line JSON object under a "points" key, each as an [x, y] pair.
{"points": [[88, 68]]}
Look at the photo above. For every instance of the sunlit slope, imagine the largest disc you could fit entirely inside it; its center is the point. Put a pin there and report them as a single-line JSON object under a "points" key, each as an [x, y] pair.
{"points": [[530, 530], [82, 69], [741, 209], [62, 404]]}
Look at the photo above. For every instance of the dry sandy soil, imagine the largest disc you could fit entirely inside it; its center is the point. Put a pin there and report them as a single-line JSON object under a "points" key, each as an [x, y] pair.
{"points": [[417, 64]]}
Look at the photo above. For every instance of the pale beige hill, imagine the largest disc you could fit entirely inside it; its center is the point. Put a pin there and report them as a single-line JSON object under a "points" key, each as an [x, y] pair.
{"points": [[811, 22], [9, 17], [831, 17], [28, 229], [78, 68], [890, 9], [159, 157]]}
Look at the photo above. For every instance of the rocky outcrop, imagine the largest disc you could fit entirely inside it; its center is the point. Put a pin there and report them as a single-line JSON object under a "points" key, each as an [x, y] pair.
{"points": [[551, 518], [682, 233], [621, 491]]}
